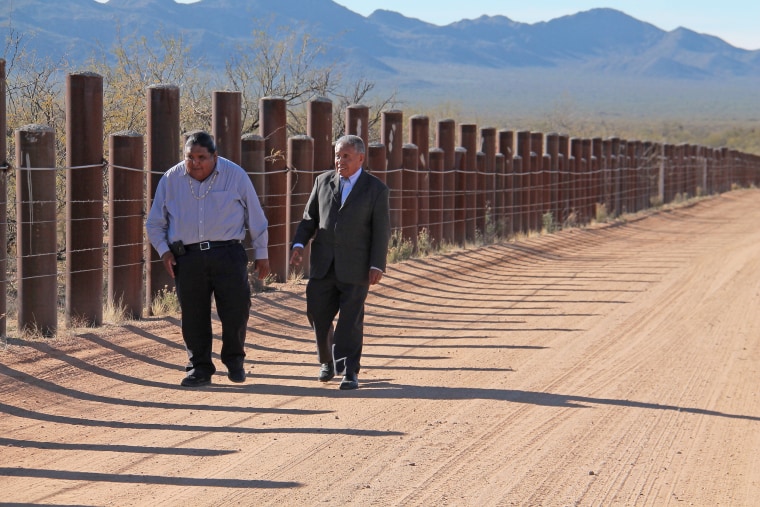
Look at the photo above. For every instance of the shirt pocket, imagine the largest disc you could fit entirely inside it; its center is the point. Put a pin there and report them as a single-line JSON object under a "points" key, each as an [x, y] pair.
{"points": [[224, 206]]}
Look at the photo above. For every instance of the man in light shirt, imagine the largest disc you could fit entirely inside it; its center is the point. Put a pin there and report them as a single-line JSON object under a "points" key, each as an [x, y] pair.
{"points": [[200, 213]]}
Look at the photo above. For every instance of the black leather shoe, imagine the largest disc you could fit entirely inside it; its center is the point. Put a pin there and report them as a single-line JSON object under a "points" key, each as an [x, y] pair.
{"points": [[194, 380], [326, 372], [350, 381], [236, 375]]}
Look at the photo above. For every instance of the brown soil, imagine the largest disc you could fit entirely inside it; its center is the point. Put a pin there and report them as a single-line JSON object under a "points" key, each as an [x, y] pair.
{"points": [[611, 365]]}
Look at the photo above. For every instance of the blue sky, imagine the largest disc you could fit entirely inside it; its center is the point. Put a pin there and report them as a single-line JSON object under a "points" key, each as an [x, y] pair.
{"points": [[735, 21]]}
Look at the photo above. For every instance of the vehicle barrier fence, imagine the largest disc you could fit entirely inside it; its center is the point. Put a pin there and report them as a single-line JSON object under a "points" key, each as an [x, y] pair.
{"points": [[474, 184]]}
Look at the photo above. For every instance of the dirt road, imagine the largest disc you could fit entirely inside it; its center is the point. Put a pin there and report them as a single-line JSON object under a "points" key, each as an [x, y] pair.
{"points": [[614, 365]]}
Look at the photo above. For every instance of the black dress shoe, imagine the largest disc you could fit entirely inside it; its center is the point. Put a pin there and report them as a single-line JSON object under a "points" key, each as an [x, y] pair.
{"points": [[195, 380], [326, 372], [236, 375], [350, 381]]}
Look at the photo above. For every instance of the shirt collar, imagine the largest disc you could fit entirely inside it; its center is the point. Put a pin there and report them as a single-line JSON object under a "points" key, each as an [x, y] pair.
{"points": [[352, 179]]}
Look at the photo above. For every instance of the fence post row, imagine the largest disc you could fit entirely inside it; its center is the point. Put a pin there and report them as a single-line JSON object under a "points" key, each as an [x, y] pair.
{"points": [[491, 181]]}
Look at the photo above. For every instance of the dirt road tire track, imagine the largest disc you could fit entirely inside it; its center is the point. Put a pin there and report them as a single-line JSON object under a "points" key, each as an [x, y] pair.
{"points": [[612, 365]]}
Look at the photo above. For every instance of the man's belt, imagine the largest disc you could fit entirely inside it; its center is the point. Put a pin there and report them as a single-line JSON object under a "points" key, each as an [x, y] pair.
{"points": [[208, 245]]}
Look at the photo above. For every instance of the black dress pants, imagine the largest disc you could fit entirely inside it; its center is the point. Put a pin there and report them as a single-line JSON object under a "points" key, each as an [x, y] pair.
{"points": [[222, 273], [325, 298]]}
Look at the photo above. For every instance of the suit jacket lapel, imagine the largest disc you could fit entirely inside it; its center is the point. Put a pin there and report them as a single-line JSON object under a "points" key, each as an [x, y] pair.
{"points": [[335, 183]]}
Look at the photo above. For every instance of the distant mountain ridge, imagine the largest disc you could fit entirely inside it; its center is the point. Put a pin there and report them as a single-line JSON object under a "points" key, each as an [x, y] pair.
{"points": [[600, 40], [601, 63]]}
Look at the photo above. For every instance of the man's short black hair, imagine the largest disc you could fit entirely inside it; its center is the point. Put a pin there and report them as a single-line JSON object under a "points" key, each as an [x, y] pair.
{"points": [[201, 138]]}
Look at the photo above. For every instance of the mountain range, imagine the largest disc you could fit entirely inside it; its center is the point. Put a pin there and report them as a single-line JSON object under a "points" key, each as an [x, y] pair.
{"points": [[416, 57]]}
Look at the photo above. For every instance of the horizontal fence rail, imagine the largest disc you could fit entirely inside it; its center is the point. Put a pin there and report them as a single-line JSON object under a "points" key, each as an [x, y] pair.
{"points": [[474, 184]]}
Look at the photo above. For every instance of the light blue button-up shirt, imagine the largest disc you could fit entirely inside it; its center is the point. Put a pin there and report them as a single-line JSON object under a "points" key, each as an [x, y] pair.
{"points": [[219, 208]]}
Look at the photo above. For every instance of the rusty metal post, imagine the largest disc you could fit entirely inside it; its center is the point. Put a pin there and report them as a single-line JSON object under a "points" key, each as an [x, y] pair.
{"points": [[507, 148], [563, 176], [446, 140], [460, 196], [498, 214], [587, 185], [649, 167], [226, 124], [487, 178], [301, 167], [273, 128], [725, 169], [546, 192], [126, 184], [392, 138], [676, 171], [468, 139], [665, 179], [518, 194], [36, 229], [715, 171], [625, 175], [253, 160], [605, 175], [577, 170], [3, 204], [481, 204], [633, 148], [84, 199], [419, 135], [163, 152], [537, 179], [694, 174], [319, 127], [435, 191], [376, 160], [319, 120], [702, 163], [552, 150], [706, 162], [357, 121], [409, 189], [615, 168], [597, 194], [525, 183]]}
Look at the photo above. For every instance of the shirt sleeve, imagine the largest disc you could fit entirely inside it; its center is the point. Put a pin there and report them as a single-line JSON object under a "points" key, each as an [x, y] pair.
{"points": [[257, 223], [157, 224]]}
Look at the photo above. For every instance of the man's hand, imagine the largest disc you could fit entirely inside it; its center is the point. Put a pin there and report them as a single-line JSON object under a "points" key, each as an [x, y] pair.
{"points": [[375, 275], [262, 268], [169, 262], [296, 258]]}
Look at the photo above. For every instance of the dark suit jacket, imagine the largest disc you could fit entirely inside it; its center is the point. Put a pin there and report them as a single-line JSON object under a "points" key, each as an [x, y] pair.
{"points": [[355, 236]]}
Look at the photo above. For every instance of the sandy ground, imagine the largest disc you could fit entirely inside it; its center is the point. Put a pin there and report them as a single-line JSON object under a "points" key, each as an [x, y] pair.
{"points": [[613, 365]]}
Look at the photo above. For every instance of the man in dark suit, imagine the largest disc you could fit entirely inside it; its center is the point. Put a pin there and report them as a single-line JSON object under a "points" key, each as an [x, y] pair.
{"points": [[347, 218]]}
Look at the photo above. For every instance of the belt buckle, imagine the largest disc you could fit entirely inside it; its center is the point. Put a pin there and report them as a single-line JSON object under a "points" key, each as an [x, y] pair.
{"points": [[205, 245]]}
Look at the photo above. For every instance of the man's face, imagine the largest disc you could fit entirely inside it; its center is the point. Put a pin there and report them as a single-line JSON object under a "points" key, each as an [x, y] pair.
{"points": [[347, 160], [199, 162]]}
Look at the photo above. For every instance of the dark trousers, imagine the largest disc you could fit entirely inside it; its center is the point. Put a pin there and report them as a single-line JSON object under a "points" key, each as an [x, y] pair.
{"points": [[326, 298], [222, 273]]}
